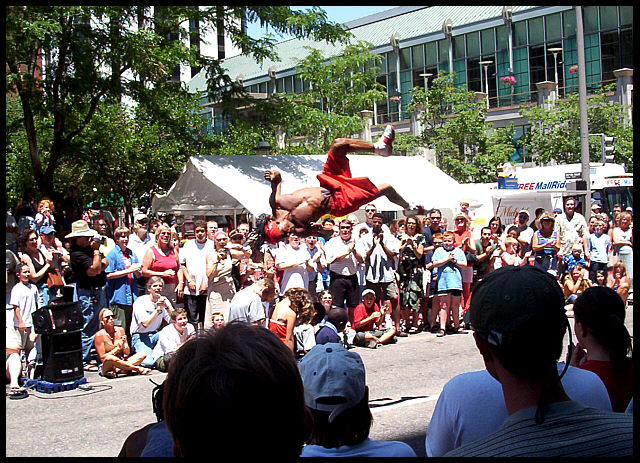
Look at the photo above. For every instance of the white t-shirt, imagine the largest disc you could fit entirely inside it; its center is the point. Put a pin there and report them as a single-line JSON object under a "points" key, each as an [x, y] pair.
{"points": [[379, 266], [471, 406], [169, 340], [138, 246], [194, 256], [294, 277], [345, 266], [26, 298], [143, 307]]}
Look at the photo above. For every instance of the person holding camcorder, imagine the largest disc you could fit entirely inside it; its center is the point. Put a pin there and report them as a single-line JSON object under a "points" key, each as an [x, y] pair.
{"points": [[88, 265]]}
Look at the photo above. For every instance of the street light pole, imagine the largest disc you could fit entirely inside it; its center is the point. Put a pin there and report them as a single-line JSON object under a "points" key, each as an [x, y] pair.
{"points": [[555, 52], [486, 65], [426, 76], [584, 120]]}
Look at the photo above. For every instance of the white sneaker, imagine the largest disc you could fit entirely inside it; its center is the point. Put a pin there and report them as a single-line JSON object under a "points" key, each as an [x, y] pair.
{"points": [[371, 344], [383, 146]]}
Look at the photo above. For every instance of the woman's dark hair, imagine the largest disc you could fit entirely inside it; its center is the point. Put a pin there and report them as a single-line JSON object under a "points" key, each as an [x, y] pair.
{"points": [[495, 218], [350, 427], [246, 381], [24, 236], [601, 311]]}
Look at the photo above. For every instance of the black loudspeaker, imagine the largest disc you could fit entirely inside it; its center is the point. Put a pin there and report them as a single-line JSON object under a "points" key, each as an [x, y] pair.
{"points": [[62, 356], [58, 318]]}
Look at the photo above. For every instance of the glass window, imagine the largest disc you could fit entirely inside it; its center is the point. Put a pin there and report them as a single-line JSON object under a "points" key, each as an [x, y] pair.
{"points": [[473, 44], [536, 66], [443, 55], [458, 47], [297, 84], [431, 50], [417, 56], [569, 23], [608, 17], [488, 41], [626, 15], [280, 85], [552, 26], [502, 36], [626, 44], [473, 75], [609, 54], [590, 14], [288, 84], [536, 31], [519, 33], [405, 59]]}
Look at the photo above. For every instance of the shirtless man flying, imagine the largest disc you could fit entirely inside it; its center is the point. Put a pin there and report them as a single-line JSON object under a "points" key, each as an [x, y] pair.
{"points": [[338, 194]]}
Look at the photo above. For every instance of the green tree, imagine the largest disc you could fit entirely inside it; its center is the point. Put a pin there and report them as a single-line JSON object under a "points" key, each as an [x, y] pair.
{"points": [[91, 52], [554, 133], [467, 147], [336, 90]]}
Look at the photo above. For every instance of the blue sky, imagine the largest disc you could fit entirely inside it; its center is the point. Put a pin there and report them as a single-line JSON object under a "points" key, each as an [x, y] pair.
{"points": [[339, 14]]}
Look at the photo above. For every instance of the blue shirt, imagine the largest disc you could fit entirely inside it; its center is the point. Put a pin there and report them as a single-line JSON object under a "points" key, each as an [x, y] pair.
{"points": [[121, 290], [366, 448], [598, 245], [449, 274]]}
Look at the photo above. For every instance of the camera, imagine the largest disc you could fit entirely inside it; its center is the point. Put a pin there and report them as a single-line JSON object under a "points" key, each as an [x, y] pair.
{"points": [[100, 239]]}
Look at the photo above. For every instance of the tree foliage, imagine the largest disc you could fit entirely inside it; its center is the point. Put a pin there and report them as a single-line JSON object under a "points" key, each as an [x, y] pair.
{"points": [[455, 126], [554, 133], [66, 62]]}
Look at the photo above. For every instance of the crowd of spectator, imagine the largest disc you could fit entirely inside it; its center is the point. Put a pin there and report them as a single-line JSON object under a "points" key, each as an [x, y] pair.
{"points": [[145, 291]]}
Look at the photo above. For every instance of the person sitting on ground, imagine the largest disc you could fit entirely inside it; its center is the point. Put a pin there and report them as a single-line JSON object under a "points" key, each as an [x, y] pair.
{"points": [[333, 326], [575, 283], [335, 390], [247, 304], [367, 322], [296, 302], [217, 321], [575, 258], [510, 255], [619, 281], [604, 343], [509, 308], [170, 338], [113, 349], [339, 194], [148, 313], [228, 375]]}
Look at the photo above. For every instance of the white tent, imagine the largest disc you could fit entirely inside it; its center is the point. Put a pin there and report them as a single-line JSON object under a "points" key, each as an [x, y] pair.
{"points": [[212, 185]]}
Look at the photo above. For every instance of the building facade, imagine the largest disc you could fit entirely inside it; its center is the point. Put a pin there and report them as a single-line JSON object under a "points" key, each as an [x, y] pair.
{"points": [[501, 52]]}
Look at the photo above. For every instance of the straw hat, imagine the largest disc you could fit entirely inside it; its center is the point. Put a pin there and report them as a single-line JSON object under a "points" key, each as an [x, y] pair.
{"points": [[81, 228]]}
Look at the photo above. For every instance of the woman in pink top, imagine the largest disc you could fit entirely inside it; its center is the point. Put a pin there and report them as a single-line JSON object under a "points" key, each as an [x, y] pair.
{"points": [[161, 260]]}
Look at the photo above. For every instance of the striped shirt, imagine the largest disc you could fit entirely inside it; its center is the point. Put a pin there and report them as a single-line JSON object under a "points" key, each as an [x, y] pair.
{"points": [[569, 430]]}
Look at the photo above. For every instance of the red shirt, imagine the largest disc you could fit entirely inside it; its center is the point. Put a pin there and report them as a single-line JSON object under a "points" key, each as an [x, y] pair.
{"points": [[360, 313], [619, 385]]}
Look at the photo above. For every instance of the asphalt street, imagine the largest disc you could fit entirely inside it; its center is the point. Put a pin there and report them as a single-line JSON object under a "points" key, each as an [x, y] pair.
{"points": [[404, 381]]}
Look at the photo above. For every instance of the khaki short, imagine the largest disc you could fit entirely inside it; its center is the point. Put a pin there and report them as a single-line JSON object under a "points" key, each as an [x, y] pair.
{"points": [[384, 291], [19, 340]]}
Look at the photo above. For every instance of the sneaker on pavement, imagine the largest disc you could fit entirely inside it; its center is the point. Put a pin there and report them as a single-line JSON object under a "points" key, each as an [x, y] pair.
{"points": [[384, 146]]}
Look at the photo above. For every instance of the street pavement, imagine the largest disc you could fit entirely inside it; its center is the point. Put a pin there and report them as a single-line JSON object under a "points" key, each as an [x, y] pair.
{"points": [[404, 381]]}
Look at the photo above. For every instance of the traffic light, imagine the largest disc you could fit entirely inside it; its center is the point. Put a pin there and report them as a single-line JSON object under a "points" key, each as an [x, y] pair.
{"points": [[607, 149]]}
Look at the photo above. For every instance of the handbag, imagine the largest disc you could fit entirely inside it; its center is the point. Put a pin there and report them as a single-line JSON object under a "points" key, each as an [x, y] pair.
{"points": [[54, 279]]}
